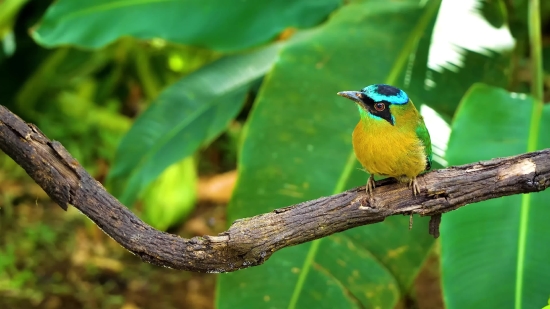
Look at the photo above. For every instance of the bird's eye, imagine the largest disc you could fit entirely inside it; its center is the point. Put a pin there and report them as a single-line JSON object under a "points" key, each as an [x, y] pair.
{"points": [[360, 95], [379, 106]]}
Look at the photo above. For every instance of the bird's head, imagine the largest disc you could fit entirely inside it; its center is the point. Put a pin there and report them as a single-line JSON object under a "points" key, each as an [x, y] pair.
{"points": [[379, 101]]}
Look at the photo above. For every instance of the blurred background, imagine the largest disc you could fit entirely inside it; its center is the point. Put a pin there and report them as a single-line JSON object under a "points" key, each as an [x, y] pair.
{"points": [[197, 113]]}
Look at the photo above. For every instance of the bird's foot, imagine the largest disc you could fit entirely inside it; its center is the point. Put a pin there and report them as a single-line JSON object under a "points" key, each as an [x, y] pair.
{"points": [[414, 185], [369, 189], [370, 186]]}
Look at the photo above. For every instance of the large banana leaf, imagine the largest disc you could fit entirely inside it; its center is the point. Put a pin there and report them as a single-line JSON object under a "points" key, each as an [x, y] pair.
{"points": [[185, 116], [442, 88], [218, 24], [495, 254], [491, 69], [298, 147]]}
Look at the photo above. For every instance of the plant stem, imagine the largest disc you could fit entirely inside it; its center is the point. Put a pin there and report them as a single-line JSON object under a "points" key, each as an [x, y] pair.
{"points": [[537, 77], [532, 142]]}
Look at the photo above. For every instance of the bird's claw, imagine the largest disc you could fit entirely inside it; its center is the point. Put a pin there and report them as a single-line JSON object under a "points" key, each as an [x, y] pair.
{"points": [[370, 186], [369, 189], [414, 185]]}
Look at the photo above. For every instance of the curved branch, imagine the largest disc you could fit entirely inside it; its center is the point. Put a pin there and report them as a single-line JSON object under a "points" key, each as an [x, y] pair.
{"points": [[251, 241]]}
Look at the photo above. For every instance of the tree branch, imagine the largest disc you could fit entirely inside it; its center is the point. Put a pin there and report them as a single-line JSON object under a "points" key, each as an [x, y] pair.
{"points": [[251, 241]]}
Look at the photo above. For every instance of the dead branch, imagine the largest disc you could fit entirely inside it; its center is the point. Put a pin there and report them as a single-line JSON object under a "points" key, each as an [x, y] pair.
{"points": [[251, 241]]}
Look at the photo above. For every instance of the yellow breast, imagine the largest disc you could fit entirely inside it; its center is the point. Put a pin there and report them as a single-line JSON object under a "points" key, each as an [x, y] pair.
{"points": [[386, 150]]}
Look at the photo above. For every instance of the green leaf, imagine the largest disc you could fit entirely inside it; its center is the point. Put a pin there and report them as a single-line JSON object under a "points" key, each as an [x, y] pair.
{"points": [[217, 24], [188, 114], [298, 147], [171, 197], [442, 88], [451, 85], [494, 11], [493, 253], [8, 12], [546, 59]]}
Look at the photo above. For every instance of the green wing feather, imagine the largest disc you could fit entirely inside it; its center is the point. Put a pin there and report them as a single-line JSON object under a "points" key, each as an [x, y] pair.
{"points": [[424, 136]]}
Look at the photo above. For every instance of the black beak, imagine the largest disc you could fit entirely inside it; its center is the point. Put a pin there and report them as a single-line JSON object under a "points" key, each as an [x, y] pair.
{"points": [[352, 95]]}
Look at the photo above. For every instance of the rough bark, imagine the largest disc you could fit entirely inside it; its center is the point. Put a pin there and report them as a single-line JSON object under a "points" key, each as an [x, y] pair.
{"points": [[251, 241]]}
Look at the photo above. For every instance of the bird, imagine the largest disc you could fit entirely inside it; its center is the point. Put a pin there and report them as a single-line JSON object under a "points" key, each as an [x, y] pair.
{"points": [[391, 138]]}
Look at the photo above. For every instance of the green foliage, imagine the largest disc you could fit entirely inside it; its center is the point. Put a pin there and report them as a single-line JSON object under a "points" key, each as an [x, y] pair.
{"points": [[491, 253], [195, 109], [518, 17], [452, 84], [8, 12], [15, 264], [171, 197], [494, 11], [309, 155], [217, 24]]}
